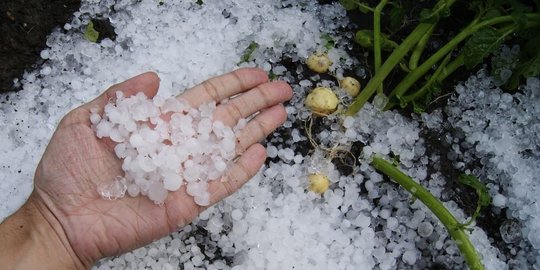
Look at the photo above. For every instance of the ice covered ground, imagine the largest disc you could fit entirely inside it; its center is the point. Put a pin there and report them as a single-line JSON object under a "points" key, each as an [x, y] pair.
{"points": [[505, 140], [362, 222]]}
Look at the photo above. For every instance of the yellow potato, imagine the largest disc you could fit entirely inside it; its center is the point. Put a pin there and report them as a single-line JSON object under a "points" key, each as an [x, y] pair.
{"points": [[351, 86], [319, 62], [322, 101], [318, 183]]}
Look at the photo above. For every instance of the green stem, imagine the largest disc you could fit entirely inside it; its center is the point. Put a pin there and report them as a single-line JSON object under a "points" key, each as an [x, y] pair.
{"points": [[434, 78], [377, 38], [419, 48], [442, 72], [454, 228], [473, 217], [451, 67], [446, 71], [364, 6], [387, 67], [416, 74], [394, 59]]}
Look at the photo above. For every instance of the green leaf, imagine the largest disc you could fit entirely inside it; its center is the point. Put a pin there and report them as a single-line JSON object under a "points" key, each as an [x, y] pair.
{"points": [[418, 108], [364, 8], [329, 42], [519, 18], [503, 65], [531, 47], [526, 67], [246, 57], [355, 4], [445, 12], [484, 199], [90, 33], [476, 6], [430, 16], [272, 76], [528, 33], [199, 2], [365, 39], [397, 15], [532, 67], [348, 4], [492, 13], [484, 42], [441, 10], [427, 16]]}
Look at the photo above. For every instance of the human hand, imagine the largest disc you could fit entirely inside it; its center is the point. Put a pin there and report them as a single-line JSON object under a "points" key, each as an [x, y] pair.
{"points": [[76, 161]]}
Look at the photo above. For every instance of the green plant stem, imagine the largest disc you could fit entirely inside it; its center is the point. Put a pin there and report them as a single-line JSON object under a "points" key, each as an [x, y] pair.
{"points": [[394, 59], [454, 228], [425, 88], [377, 38], [419, 48], [443, 71], [387, 67], [451, 67], [364, 6], [473, 217], [446, 71], [416, 74]]}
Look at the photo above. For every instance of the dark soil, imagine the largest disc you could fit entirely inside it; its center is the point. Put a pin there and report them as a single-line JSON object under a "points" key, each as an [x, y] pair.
{"points": [[104, 28], [24, 25], [463, 195]]}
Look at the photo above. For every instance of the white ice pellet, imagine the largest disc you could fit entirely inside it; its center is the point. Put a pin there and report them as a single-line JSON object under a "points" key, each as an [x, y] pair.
{"points": [[409, 257], [45, 71], [237, 214], [240, 125], [202, 199], [133, 190], [362, 221], [220, 165], [157, 193], [499, 200], [103, 129], [425, 229], [348, 122], [114, 189], [45, 54], [271, 151], [392, 223], [95, 118], [172, 182]]}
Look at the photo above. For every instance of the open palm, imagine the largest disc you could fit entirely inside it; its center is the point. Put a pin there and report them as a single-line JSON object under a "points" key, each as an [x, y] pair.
{"points": [[75, 162]]}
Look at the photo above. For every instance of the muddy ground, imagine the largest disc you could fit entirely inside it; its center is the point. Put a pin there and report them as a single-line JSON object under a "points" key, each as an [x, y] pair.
{"points": [[24, 25]]}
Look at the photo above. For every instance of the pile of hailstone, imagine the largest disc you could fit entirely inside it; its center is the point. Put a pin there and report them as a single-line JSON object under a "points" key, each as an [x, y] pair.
{"points": [[161, 154]]}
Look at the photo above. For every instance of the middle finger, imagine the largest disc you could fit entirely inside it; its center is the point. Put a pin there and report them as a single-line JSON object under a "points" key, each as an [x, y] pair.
{"points": [[261, 97]]}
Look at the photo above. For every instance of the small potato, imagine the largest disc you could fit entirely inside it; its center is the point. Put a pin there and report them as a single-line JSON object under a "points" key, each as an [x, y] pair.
{"points": [[322, 101], [351, 86], [319, 62], [318, 183]]}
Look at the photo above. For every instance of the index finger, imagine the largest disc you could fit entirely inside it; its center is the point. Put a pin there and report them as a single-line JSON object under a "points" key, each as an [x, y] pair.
{"points": [[224, 86], [147, 82]]}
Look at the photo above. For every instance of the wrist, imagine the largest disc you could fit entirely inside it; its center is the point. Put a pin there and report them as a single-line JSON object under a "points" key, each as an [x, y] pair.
{"points": [[32, 238]]}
